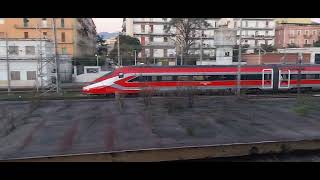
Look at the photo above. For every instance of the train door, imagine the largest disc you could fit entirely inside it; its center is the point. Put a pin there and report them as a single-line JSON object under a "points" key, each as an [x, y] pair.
{"points": [[267, 78], [284, 79]]}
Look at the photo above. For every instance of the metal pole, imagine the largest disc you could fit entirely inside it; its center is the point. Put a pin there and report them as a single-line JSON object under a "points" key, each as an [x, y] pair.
{"points": [[181, 55], [299, 73], [201, 42], [239, 60], [135, 57], [56, 55], [97, 60], [259, 55], [119, 49], [154, 60], [8, 65]]}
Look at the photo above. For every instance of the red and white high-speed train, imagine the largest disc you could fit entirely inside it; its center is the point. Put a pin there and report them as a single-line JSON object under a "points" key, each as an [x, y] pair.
{"points": [[133, 79]]}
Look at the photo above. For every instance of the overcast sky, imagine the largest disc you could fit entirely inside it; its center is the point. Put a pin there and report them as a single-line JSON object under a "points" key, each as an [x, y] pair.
{"points": [[108, 24]]}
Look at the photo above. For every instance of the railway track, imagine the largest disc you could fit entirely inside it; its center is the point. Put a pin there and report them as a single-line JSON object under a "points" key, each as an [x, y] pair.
{"points": [[185, 152]]}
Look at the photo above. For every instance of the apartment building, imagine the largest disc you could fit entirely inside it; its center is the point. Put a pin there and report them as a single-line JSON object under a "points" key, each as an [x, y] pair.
{"points": [[23, 61], [75, 36], [296, 35], [157, 45], [256, 31], [155, 42]]}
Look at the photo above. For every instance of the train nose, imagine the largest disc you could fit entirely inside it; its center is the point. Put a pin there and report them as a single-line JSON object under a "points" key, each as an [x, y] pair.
{"points": [[85, 90]]}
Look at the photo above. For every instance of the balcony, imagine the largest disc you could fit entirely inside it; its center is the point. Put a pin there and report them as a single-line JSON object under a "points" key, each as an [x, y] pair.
{"points": [[292, 35], [307, 36], [160, 44], [42, 26]]}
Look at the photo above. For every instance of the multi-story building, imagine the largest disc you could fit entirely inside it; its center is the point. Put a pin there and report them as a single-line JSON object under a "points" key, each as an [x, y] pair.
{"points": [[75, 36], [23, 61], [157, 45], [296, 34], [256, 31]]}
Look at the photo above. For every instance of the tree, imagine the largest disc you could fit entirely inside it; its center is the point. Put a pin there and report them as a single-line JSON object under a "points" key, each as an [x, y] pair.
{"points": [[316, 44], [185, 31], [244, 48], [102, 48], [128, 45]]}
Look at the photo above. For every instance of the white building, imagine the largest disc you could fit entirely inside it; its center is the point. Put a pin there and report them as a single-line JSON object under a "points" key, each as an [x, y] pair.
{"points": [[255, 31], [157, 46], [24, 61]]}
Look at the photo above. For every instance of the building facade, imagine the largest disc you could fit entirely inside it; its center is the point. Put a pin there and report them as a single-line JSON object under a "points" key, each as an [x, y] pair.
{"points": [[75, 36], [296, 35], [156, 42], [256, 31], [23, 61], [157, 45]]}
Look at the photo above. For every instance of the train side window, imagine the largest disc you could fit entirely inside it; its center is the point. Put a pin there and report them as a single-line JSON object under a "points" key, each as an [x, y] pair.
{"points": [[294, 76], [317, 76], [251, 77], [198, 78], [167, 78], [183, 78], [154, 78], [310, 76]]}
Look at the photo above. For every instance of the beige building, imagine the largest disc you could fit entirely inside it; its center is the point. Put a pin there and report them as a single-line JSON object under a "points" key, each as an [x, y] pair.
{"points": [[75, 36]]}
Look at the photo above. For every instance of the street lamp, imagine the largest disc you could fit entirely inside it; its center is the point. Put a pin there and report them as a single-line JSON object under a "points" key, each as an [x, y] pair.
{"points": [[97, 59]]}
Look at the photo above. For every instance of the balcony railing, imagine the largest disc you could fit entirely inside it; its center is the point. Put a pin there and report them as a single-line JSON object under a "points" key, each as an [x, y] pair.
{"points": [[307, 35], [42, 26], [292, 35]]}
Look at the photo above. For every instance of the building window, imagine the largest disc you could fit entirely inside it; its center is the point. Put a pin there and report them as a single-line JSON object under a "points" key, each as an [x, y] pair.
{"points": [[299, 32], [267, 33], [63, 37], [235, 24], [314, 32], [257, 24], [291, 41], [226, 53], [44, 22], [1, 20], [31, 75], [143, 28], [15, 75], [64, 50], [13, 50], [165, 39], [30, 50], [291, 32], [26, 35], [45, 35], [267, 23], [151, 28], [151, 39], [306, 41], [164, 19], [306, 32], [246, 23], [165, 52], [1, 34], [62, 22], [25, 22]]}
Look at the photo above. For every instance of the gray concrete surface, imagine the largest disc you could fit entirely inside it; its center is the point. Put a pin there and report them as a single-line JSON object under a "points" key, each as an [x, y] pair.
{"points": [[87, 126]]}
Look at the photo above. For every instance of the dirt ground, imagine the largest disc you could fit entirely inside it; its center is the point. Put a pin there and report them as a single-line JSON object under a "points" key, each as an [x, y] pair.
{"points": [[87, 126]]}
